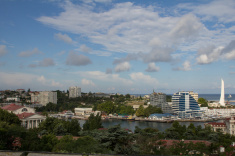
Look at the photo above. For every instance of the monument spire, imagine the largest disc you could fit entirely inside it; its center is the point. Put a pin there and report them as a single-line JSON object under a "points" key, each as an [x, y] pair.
{"points": [[221, 101]]}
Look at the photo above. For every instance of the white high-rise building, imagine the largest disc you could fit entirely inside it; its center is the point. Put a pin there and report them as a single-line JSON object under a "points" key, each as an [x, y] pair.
{"points": [[74, 92], [221, 101], [46, 96]]}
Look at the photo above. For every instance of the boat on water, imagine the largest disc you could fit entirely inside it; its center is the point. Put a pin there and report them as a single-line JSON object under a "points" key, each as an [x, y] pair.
{"points": [[131, 118]]}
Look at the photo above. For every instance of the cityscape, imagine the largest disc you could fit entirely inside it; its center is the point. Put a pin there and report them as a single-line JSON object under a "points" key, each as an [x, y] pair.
{"points": [[107, 77]]}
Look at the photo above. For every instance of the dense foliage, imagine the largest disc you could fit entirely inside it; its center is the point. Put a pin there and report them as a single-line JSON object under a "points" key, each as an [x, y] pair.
{"points": [[10, 118], [203, 102], [113, 140], [145, 112], [93, 122]]}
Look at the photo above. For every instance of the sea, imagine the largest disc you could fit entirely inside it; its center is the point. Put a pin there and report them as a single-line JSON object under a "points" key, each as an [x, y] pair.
{"points": [[208, 97], [216, 97]]}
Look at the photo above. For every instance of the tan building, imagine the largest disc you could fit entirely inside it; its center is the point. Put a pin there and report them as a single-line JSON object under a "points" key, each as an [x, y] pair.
{"points": [[194, 95], [228, 126], [27, 115], [43, 97], [17, 109], [82, 111], [31, 120]]}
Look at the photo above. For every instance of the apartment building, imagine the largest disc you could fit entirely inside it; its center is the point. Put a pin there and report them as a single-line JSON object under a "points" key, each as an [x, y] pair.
{"points": [[74, 92]]}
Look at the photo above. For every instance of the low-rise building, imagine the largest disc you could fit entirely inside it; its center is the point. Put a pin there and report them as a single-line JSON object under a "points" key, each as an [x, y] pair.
{"points": [[102, 95], [82, 111], [27, 115], [228, 126], [30, 120], [17, 109], [13, 99], [135, 107]]}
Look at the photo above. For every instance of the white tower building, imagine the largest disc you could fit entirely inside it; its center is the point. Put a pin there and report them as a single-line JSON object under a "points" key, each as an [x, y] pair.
{"points": [[221, 101], [74, 92]]}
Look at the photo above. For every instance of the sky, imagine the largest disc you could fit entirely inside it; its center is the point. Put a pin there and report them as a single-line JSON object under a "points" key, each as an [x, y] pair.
{"points": [[118, 46]]}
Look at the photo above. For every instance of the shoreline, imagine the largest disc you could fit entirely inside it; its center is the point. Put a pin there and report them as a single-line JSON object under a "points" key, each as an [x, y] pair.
{"points": [[151, 120]]}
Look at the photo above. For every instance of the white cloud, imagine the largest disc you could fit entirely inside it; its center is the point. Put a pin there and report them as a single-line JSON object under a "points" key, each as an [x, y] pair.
{"points": [[87, 82], [75, 59], [186, 66], [46, 62], [139, 77], [187, 27], [3, 50], [124, 66], [101, 76], [29, 53], [64, 37], [85, 49], [211, 53], [103, 1], [147, 33], [123, 27], [152, 68], [17, 80], [222, 10]]}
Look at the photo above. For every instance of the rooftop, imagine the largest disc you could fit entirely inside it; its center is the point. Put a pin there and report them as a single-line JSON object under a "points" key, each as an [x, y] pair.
{"points": [[24, 115], [12, 107]]}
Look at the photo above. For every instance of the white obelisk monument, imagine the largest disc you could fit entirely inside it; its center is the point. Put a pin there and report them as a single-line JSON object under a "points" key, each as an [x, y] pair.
{"points": [[221, 101]]}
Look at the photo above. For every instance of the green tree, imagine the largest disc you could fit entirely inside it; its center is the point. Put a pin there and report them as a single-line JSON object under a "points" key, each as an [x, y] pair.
{"points": [[65, 145], [87, 145], [151, 110], [93, 122], [140, 111], [128, 96], [203, 102], [9, 118], [73, 127], [107, 107], [48, 142]]}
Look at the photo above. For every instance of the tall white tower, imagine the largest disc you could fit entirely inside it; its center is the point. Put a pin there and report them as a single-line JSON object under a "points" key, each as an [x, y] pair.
{"points": [[221, 101]]}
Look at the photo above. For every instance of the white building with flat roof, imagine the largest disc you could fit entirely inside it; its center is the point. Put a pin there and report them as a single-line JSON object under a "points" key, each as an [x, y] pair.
{"points": [[74, 92]]}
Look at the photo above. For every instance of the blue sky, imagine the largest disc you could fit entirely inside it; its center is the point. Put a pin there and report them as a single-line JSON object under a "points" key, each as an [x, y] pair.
{"points": [[118, 46]]}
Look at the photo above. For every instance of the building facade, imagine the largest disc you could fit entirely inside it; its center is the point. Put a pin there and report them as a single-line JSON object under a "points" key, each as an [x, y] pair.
{"points": [[194, 95], [74, 92], [46, 97], [157, 99], [185, 105], [17, 109], [228, 126]]}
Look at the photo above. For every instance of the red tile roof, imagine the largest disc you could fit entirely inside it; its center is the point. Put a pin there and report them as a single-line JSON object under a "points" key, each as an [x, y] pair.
{"points": [[12, 107], [24, 115]]}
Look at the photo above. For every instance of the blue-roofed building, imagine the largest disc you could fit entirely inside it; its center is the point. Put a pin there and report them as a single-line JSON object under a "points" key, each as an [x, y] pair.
{"points": [[185, 105]]}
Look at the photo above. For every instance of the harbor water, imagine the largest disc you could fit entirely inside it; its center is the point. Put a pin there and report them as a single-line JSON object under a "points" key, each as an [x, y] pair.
{"points": [[141, 124]]}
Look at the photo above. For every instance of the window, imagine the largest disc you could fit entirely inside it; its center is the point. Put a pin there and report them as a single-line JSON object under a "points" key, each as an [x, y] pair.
{"points": [[24, 110]]}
